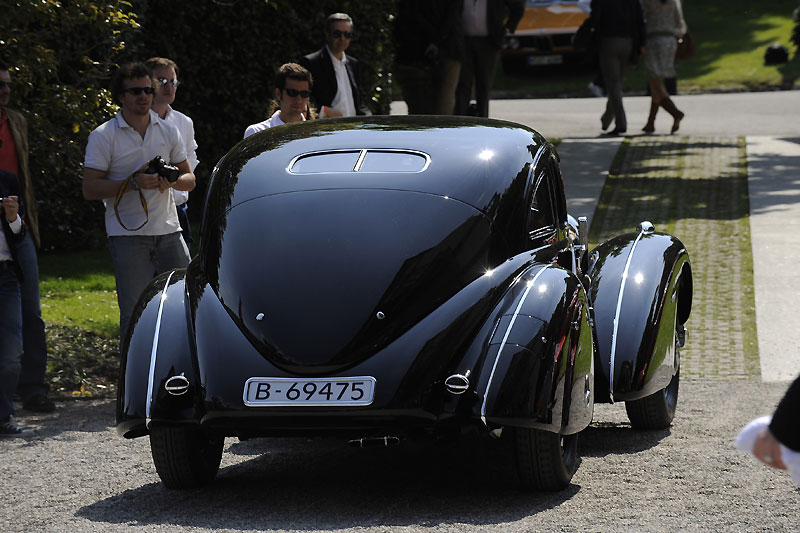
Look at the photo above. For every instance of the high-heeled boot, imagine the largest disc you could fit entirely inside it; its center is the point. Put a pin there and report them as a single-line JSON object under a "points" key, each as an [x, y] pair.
{"points": [[676, 113], [650, 127]]}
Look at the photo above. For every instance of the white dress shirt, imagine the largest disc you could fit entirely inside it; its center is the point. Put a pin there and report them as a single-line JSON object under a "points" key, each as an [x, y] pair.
{"points": [[186, 129], [343, 101]]}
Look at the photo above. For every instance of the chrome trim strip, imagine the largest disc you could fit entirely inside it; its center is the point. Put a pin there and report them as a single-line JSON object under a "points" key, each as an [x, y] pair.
{"points": [[362, 154], [360, 161], [530, 283], [538, 156], [617, 313], [155, 349]]}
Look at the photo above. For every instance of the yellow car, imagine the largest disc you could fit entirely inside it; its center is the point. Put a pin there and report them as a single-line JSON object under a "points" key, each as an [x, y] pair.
{"points": [[544, 35]]}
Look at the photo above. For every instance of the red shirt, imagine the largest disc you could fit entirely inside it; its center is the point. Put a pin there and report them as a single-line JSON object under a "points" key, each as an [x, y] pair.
{"points": [[8, 150]]}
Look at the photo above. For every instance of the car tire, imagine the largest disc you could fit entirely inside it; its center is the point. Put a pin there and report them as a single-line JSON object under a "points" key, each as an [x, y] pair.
{"points": [[185, 457], [657, 410], [545, 461]]}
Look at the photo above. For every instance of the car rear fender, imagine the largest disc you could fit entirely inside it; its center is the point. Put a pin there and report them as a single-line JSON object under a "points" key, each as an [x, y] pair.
{"points": [[158, 376], [641, 290], [538, 372]]}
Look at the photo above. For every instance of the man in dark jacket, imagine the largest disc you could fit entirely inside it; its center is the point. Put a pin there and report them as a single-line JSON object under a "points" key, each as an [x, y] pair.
{"points": [[32, 386], [337, 76], [486, 23], [783, 429], [12, 231], [619, 27], [429, 46]]}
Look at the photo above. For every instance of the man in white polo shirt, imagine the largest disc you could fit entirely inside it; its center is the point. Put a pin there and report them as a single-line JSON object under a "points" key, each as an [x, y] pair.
{"points": [[144, 241], [292, 90]]}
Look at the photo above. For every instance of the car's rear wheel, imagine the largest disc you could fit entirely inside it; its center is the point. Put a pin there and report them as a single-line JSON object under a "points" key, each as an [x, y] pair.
{"points": [[545, 461], [657, 410], [185, 457]]}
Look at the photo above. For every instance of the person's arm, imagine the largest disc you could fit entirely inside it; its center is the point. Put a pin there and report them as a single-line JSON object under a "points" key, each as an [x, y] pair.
{"points": [[783, 429], [96, 186], [784, 424], [516, 9]]}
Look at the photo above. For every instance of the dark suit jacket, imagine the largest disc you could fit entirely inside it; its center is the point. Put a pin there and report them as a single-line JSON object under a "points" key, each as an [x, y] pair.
{"points": [[784, 421], [324, 90], [502, 14]]}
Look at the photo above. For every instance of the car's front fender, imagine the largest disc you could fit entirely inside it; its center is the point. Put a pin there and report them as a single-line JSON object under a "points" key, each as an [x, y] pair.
{"points": [[641, 290]]}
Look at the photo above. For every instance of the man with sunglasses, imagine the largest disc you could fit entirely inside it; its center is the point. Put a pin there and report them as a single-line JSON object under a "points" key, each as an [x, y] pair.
{"points": [[32, 386], [141, 221], [337, 76], [165, 72], [292, 90]]}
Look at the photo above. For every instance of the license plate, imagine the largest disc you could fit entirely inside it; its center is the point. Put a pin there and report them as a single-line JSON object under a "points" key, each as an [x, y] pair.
{"points": [[260, 392], [545, 60]]}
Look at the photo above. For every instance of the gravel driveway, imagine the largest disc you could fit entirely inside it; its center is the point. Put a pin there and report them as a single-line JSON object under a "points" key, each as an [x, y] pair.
{"points": [[78, 475]]}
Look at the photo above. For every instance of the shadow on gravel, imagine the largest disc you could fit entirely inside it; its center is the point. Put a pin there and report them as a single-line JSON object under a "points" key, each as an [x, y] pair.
{"points": [[609, 438], [299, 484], [71, 415]]}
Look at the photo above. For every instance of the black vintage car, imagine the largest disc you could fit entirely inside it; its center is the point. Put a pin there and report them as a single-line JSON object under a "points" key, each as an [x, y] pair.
{"points": [[396, 278]]}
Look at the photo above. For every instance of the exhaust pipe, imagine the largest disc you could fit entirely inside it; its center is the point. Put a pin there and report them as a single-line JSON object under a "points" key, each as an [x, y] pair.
{"points": [[374, 442]]}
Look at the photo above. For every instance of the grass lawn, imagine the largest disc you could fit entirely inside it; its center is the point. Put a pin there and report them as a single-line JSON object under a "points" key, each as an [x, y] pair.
{"points": [[79, 306], [695, 189], [731, 37]]}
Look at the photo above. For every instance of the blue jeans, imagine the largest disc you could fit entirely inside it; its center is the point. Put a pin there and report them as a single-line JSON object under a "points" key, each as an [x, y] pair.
{"points": [[10, 340], [34, 343], [137, 260]]}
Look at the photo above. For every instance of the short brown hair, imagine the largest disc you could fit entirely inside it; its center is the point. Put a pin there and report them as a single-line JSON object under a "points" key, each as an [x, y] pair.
{"points": [[128, 71], [292, 71]]}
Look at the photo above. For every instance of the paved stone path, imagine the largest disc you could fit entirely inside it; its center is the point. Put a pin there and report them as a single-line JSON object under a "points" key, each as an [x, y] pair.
{"points": [[696, 189]]}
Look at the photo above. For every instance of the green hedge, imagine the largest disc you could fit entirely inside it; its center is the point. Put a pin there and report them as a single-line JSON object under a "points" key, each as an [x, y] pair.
{"points": [[228, 60], [64, 54]]}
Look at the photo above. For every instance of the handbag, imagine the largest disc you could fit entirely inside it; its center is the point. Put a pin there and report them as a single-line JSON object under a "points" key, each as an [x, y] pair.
{"points": [[686, 47]]}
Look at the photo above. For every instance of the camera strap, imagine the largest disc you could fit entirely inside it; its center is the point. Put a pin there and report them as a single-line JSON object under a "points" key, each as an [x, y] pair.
{"points": [[120, 192]]}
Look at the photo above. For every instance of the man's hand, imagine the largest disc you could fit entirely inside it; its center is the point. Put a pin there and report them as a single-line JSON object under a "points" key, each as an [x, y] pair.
{"points": [[767, 449], [11, 207], [147, 181], [331, 112]]}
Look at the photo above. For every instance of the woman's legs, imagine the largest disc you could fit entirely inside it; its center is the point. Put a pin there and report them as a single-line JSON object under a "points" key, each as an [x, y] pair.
{"points": [[657, 93]]}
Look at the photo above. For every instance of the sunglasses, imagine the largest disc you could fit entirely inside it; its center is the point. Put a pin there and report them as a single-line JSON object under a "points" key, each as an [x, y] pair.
{"points": [[295, 92], [139, 90], [164, 82], [338, 34]]}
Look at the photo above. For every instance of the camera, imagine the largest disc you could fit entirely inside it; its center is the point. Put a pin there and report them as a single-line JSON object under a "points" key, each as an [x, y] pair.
{"points": [[160, 167]]}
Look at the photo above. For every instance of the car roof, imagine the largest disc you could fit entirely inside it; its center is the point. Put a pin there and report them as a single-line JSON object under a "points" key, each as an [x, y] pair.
{"points": [[466, 158]]}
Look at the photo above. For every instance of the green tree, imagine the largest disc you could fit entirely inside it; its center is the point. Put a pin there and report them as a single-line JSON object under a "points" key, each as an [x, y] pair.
{"points": [[61, 54], [228, 53], [64, 54]]}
